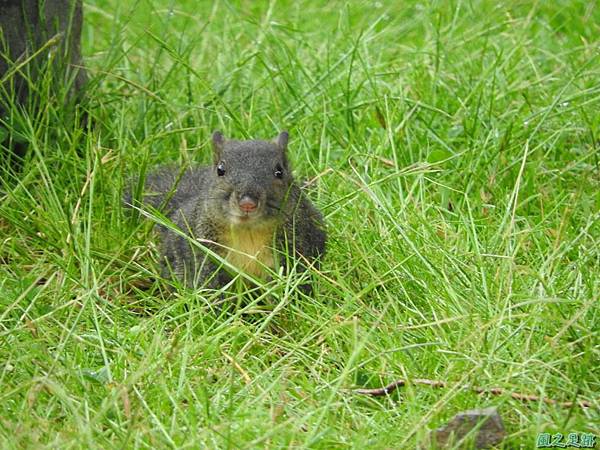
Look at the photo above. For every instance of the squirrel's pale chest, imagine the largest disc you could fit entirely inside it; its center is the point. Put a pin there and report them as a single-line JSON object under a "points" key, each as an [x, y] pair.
{"points": [[250, 249]]}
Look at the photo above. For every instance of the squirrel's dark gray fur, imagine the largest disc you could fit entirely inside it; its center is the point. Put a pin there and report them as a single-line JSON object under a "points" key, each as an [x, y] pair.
{"points": [[241, 207]]}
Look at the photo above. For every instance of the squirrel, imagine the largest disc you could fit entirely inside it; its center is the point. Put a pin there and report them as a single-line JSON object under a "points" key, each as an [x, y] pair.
{"points": [[245, 207]]}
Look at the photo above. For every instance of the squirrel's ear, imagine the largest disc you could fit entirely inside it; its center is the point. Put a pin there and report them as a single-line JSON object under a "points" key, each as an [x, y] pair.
{"points": [[218, 142], [282, 140]]}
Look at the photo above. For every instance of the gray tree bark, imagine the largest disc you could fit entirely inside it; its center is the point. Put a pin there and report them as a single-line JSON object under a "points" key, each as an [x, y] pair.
{"points": [[32, 33]]}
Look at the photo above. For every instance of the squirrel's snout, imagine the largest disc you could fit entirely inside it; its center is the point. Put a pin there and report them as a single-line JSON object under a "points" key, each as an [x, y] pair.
{"points": [[248, 204]]}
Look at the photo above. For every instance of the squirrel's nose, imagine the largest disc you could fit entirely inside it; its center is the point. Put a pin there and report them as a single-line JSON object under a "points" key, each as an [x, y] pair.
{"points": [[247, 204]]}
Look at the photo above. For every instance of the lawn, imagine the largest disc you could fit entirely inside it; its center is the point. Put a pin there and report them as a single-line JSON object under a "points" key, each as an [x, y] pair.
{"points": [[453, 148]]}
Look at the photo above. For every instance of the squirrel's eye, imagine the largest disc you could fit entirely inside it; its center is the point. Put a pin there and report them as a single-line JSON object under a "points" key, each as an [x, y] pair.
{"points": [[221, 169], [278, 172]]}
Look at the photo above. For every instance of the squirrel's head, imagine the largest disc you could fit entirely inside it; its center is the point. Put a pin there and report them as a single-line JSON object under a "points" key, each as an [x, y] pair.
{"points": [[251, 178]]}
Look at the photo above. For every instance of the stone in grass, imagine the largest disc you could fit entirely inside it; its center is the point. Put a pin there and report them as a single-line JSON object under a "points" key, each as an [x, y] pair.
{"points": [[486, 425]]}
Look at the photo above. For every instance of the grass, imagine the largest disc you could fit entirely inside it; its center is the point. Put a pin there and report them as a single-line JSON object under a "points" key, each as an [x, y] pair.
{"points": [[457, 148]]}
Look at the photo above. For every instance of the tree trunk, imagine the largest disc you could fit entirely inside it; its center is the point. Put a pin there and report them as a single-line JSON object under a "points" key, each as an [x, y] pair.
{"points": [[40, 60], [33, 32]]}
